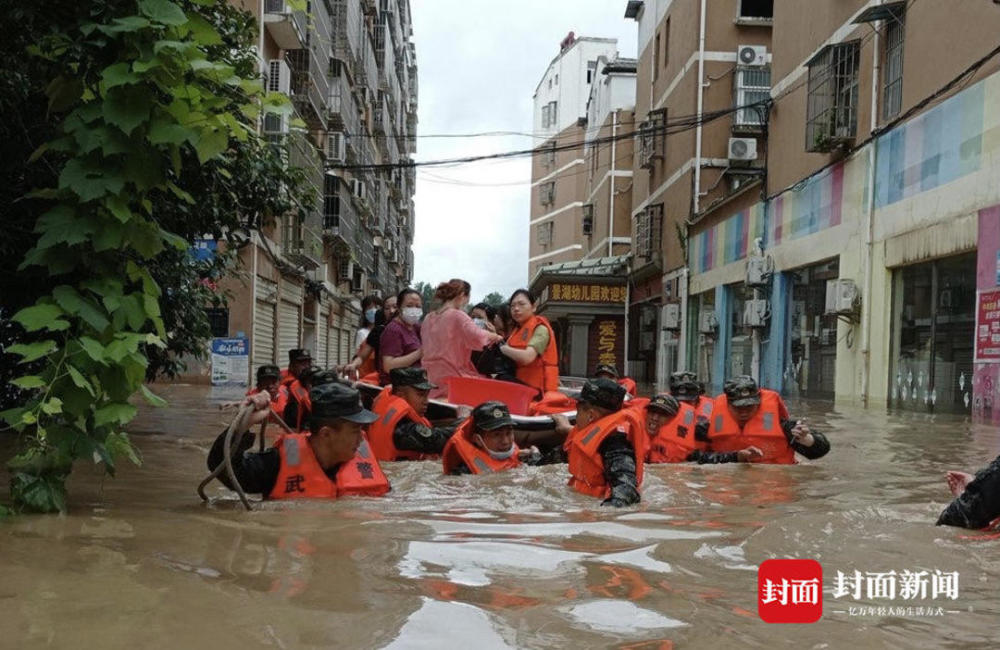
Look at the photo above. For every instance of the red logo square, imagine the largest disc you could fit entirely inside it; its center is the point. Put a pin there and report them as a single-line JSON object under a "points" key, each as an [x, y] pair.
{"points": [[790, 591]]}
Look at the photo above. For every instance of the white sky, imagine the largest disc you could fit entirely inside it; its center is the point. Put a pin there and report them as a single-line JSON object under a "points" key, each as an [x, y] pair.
{"points": [[478, 64]]}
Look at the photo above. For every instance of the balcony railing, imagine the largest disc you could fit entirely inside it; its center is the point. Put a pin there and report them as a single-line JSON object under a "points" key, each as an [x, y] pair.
{"points": [[340, 221], [343, 111], [347, 35]]}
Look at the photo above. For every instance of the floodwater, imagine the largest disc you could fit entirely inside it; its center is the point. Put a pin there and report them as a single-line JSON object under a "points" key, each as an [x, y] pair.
{"points": [[514, 560]]}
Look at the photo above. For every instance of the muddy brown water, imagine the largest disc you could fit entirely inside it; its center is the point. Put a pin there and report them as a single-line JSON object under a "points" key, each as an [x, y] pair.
{"points": [[514, 560]]}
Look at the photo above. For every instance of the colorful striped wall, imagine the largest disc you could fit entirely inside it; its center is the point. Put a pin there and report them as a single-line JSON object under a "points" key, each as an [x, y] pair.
{"points": [[944, 144], [727, 241]]}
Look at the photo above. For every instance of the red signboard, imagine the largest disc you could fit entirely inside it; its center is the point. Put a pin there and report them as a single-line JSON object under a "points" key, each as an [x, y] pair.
{"points": [[988, 326]]}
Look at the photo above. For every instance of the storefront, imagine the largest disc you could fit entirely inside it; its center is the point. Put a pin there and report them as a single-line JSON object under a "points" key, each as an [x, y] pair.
{"points": [[811, 351], [933, 332]]}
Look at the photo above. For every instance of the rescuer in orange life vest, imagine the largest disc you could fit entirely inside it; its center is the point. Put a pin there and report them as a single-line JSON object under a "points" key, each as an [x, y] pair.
{"points": [[748, 417], [402, 432], [484, 443], [610, 372], [607, 446], [298, 360], [676, 435], [331, 461], [268, 379], [684, 385], [298, 408]]}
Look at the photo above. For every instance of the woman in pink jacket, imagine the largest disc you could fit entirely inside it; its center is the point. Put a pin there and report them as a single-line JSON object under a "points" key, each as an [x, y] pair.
{"points": [[449, 337]]}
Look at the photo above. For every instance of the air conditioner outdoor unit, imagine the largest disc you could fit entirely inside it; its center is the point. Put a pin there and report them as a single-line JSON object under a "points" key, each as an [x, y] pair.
{"points": [[279, 77], [841, 296], [336, 146], [588, 219], [743, 149], [707, 323], [275, 124], [751, 55], [359, 189], [672, 316], [755, 313], [758, 271]]}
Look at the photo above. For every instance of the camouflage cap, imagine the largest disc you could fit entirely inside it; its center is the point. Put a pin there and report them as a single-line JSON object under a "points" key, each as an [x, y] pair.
{"points": [[299, 354], [664, 403], [338, 401], [603, 393], [268, 371], [742, 391], [606, 369], [490, 416], [416, 377], [684, 385], [321, 377]]}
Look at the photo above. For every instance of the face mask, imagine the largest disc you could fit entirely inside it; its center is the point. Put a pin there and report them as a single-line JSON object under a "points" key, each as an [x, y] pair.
{"points": [[411, 315], [370, 315], [480, 323], [497, 455]]}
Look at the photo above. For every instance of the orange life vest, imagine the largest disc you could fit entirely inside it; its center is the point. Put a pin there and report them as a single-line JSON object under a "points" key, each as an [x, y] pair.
{"points": [[586, 466], [629, 385], [704, 406], [286, 377], [543, 372], [675, 440], [371, 378], [763, 430], [461, 449], [298, 392], [552, 402], [391, 410], [301, 476]]}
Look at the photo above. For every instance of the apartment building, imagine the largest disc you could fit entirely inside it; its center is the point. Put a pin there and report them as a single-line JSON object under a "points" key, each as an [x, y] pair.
{"points": [[581, 201], [844, 246], [349, 68], [558, 172], [695, 58]]}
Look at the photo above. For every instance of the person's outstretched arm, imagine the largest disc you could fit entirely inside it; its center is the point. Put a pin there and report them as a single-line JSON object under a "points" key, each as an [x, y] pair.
{"points": [[979, 503], [620, 470]]}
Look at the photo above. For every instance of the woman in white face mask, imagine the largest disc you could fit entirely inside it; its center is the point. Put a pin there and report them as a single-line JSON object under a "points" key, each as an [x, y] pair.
{"points": [[400, 344]]}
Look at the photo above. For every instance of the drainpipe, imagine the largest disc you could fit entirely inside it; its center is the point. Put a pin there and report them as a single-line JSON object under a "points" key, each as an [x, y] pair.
{"points": [[611, 210], [253, 304], [701, 107], [682, 339], [628, 299], [866, 303]]}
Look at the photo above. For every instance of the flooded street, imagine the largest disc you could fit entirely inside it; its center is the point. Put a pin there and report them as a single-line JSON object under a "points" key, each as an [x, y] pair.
{"points": [[514, 560]]}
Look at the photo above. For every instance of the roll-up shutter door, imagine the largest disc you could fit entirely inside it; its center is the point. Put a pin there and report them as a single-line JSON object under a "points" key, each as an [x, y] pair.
{"points": [[289, 318], [322, 340], [263, 325]]}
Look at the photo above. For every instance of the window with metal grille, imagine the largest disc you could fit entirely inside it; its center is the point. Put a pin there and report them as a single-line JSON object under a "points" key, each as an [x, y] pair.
{"points": [[591, 69], [550, 155], [647, 233], [588, 219], [547, 193], [331, 202], [553, 113], [832, 97], [756, 9], [753, 90], [892, 81], [543, 233]]}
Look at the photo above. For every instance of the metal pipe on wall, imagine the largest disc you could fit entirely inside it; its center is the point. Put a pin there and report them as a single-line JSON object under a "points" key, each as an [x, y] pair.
{"points": [[611, 210], [701, 108], [866, 300]]}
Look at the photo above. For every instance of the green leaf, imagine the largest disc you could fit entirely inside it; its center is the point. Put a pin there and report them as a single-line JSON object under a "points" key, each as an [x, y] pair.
{"points": [[210, 144], [52, 406], [116, 412], [38, 317], [31, 351], [144, 238], [202, 31], [119, 446], [118, 206], [118, 74], [163, 132], [127, 107], [163, 11], [152, 397], [63, 92], [58, 325], [28, 381], [108, 237], [93, 349], [43, 494], [80, 380], [89, 181], [74, 303], [37, 153]]}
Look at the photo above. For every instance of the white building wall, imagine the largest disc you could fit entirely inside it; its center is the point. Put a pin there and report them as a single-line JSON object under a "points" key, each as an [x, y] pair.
{"points": [[653, 12], [572, 91], [610, 92]]}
